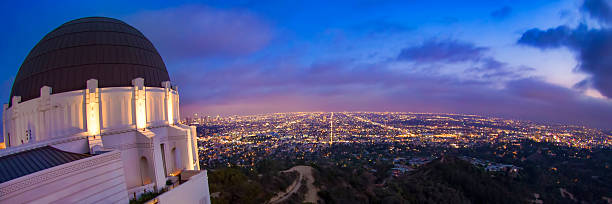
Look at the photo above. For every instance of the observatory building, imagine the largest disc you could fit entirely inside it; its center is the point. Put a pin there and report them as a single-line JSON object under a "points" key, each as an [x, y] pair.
{"points": [[93, 118]]}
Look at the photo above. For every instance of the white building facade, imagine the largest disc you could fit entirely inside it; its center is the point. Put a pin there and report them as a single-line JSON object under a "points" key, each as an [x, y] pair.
{"points": [[128, 130]]}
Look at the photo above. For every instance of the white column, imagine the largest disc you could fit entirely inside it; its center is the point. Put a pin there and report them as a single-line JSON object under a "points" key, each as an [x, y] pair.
{"points": [[92, 100], [196, 152], [14, 128], [192, 149], [140, 103], [44, 104], [169, 102], [4, 125], [158, 165], [178, 110]]}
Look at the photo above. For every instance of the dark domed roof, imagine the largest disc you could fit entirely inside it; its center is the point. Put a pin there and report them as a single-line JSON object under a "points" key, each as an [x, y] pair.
{"points": [[105, 49]]}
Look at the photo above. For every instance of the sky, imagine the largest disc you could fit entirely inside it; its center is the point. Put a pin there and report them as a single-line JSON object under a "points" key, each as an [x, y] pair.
{"points": [[536, 60]]}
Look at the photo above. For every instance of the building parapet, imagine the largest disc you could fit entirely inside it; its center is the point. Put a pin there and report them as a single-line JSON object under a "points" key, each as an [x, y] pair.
{"points": [[35, 180], [194, 189], [49, 142], [137, 191]]}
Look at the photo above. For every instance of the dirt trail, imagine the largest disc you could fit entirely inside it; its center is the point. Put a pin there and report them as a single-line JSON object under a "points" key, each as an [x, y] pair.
{"points": [[305, 172]]}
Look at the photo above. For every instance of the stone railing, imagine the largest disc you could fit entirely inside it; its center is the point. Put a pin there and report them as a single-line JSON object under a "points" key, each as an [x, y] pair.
{"points": [[137, 191], [194, 189]]}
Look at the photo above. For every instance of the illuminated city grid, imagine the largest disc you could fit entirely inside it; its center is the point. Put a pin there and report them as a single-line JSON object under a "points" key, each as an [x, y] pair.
{"points": [[251, 138]]}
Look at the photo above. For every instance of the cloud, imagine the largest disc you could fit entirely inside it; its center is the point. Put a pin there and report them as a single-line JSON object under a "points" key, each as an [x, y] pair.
{"points": [[474, 61], [551, 38], [501, 13], [344, 85], [276, 85], [598, 9], [449, 51], [200, 31], [282, 82], [591, 46]]}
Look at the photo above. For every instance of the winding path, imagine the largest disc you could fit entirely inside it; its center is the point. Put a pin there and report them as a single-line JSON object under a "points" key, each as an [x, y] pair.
{"points": [[305, 172]]}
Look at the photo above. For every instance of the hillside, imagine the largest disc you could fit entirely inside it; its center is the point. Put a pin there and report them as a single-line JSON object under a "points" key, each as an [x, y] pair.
{"points": [[448, 179], [445, 180]]}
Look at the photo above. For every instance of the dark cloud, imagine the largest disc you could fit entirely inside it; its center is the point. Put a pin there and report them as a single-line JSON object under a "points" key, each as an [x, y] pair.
{"points": [[592, 48], [449, 51], [346, 86], [582, 85], [537, 97], [198, 31], [279, 86], [501, 13], [473, 59], [281, 83], [598, 9], [545, 39], [490, 69]]}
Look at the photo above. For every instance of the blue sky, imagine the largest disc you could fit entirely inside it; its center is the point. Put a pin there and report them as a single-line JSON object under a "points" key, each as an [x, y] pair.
{"points": [[491, 58]]}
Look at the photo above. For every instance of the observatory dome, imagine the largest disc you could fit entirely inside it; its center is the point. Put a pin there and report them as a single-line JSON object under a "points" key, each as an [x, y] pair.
{"points": [[101, 48]]}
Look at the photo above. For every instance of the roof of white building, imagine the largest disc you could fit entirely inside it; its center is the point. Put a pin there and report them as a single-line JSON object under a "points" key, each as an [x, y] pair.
{"points": [[23, 163]]}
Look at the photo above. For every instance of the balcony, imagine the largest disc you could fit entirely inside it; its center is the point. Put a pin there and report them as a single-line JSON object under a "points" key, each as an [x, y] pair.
{"points": [[182, 186]]}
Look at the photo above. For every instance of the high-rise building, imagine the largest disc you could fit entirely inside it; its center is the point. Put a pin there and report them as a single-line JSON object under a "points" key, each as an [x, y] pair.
{"points": [[93, 118]]}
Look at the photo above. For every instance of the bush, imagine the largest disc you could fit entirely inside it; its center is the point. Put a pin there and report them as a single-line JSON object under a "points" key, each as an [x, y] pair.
{"points": [[147, 196]]}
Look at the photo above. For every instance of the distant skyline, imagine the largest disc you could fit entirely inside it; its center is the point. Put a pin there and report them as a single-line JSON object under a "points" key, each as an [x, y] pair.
{"points": [[546, 61]]}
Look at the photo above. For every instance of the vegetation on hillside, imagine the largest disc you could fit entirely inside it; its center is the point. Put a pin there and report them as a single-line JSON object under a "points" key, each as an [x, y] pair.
{"points": [[445, 180], [239, 185], [350, 175]]}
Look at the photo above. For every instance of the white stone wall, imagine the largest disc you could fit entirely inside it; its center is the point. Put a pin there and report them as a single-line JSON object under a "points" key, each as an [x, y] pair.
{"points": [[63, 114], [97, 179], [156, 110], [195, 190], [136, 145], [116, 108], [61, 120], [76, 146], [45, 118]]}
